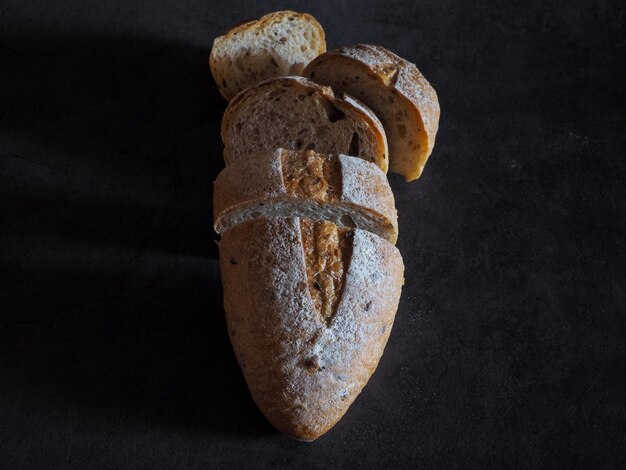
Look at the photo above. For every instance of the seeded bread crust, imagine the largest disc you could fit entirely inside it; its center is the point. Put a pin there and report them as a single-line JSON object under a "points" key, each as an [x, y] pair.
{"points": [[351, 187], [267, 47], [249, 122], [304, 373], [399, 77]]}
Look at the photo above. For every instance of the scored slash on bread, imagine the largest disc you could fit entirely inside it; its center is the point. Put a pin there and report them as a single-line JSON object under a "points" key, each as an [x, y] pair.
{"points": [[275, 45], [346, 190], [296, 114], [303, 369], [395, 90]]}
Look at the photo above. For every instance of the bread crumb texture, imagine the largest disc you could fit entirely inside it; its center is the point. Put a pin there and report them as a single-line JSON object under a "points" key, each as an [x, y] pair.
{"points": [[296, 114], [275, 45]]}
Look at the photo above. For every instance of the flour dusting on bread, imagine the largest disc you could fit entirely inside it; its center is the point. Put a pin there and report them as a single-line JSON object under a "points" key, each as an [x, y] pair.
{"points": [[316, 368]]}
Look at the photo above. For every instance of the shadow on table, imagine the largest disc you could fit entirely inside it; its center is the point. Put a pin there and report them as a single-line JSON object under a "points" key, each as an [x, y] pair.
{"points": [[114, 300]]}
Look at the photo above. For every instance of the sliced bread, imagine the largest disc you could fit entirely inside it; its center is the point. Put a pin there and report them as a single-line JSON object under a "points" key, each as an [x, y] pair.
{"points": [[395, 90], [296, 114], [346, 190], [275, 45]]}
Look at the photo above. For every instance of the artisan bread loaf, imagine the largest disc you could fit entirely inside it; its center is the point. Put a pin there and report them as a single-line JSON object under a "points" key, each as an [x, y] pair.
{"points": [[346, 190], [311, 280], [309, 308], [275, 45], [296, 114], [395, 90]]}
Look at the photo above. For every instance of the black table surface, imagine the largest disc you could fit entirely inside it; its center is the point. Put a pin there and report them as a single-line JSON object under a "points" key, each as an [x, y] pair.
{"points": [[509, 346]]}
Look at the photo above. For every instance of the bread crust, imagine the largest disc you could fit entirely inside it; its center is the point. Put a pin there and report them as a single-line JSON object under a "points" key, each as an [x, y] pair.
{"points": [[349, 106], [268, 19], [260, 180], [259, 25], [403, 78], [302, 373]]}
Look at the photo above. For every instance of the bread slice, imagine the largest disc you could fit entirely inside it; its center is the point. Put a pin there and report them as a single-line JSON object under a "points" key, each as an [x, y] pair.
{"points": [[275, 45], [296, 114], [345, 190], [309, 308], [395, 90]]}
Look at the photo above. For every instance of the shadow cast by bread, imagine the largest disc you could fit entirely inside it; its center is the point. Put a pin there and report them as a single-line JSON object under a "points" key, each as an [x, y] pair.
{"points": [[114, 304]]}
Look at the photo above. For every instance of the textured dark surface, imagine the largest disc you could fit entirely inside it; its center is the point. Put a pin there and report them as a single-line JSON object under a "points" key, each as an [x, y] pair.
{"points": [[509, 345]]}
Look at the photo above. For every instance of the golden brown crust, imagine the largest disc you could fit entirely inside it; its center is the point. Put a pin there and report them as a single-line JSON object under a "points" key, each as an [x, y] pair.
{"points": [[269, 19], [325, 183], [327, 252], [410, 83], [404, 79], [303, 372], [313, 175]]}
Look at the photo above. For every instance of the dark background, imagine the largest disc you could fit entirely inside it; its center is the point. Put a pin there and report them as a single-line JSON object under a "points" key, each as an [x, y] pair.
{"points": [[509, 348]]}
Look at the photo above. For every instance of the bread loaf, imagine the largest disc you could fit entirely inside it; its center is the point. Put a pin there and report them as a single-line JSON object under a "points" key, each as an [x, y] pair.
{"points": [[395, 90], [309, 302], [296, 114], [345, 190], [275, 45], [307, 220], [309, 309]]}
